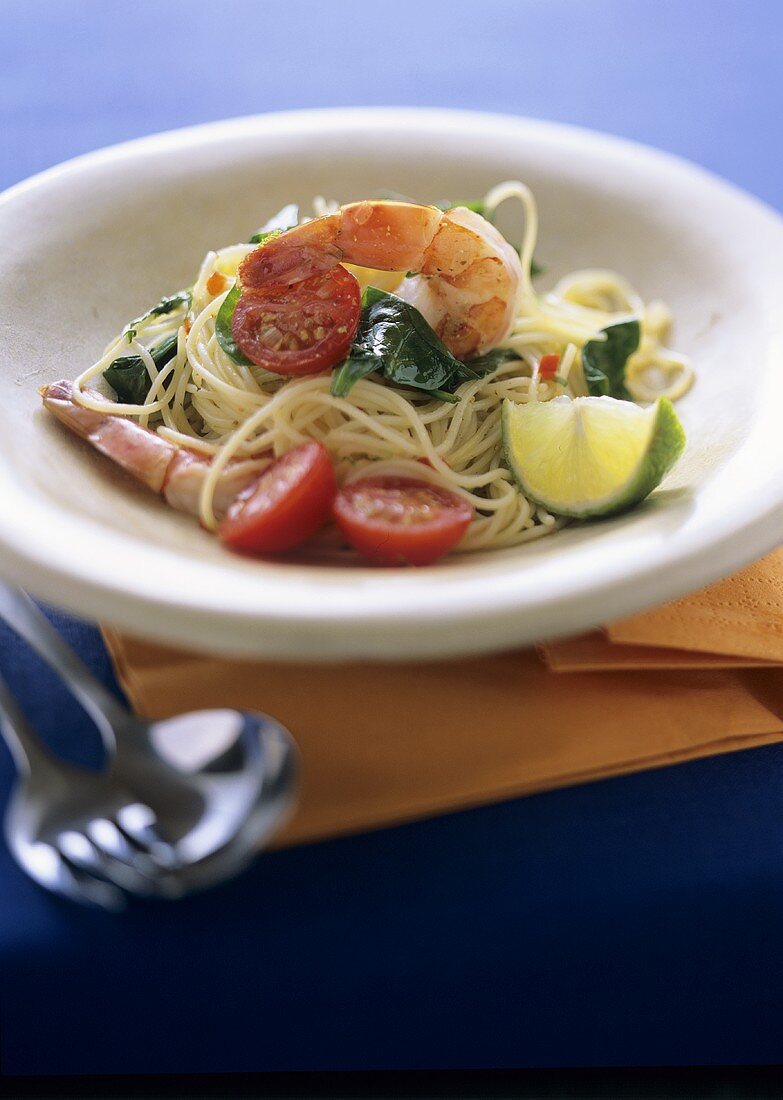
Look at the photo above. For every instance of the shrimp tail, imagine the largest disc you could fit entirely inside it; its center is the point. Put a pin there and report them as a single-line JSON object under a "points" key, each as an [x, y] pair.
{"points": [[174, 472], [138, 450]]}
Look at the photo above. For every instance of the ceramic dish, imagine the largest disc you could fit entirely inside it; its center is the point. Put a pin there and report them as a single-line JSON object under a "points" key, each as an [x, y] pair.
{"points": [[87, 245]]}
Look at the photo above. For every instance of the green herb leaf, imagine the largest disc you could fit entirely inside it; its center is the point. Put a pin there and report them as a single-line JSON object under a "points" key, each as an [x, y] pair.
{"points": [[491, 360], [225, 336], [406, 348], [128, 375], [394, 340], [284, 219], [603, 361], [350, 372], [180, 300], [261, 238]]}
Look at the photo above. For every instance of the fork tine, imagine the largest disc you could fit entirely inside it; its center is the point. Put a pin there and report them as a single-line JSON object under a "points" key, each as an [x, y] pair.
{"points": [[107, 836], [83, 887], [89, 857], [135, 823], [121, 857]]}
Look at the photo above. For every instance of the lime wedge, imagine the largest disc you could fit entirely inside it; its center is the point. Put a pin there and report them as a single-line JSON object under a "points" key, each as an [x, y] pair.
{"points": [[591, 456]]}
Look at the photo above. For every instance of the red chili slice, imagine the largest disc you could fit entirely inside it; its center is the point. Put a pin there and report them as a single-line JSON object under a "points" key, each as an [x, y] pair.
{"points": [[299, 329], [547, 368], [288, 503], [399, 520]]}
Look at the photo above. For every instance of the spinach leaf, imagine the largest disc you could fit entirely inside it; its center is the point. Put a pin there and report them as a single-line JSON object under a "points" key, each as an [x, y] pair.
{"points": [[284, 219], [397, 335], [128, 375], [393, 339], [491, 360], [603, 361], [350, 371], [225, 336], [180, 300]]}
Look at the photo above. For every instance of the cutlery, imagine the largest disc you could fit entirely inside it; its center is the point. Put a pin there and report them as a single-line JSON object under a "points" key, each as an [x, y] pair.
{"points": [[180, 804]]}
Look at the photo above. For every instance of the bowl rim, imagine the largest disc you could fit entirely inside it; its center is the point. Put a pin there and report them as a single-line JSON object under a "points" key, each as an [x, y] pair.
{"points": [[407, 616]]}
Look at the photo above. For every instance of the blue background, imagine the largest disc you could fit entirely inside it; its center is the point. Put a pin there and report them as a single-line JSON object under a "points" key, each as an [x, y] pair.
{"points": [[632, 921]]}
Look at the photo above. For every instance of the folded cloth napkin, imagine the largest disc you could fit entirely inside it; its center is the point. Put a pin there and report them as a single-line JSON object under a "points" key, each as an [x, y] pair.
{"points": [[382, 744]]}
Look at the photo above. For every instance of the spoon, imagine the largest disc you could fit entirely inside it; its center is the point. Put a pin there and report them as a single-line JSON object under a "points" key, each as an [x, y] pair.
{"points": [[182, 803]]}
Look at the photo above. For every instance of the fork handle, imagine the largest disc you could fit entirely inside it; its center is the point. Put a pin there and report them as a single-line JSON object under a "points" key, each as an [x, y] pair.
{"points": [[24, 617], [26, 747]]}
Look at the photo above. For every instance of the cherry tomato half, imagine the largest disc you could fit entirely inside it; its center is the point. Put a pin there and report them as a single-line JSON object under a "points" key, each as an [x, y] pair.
{"points": [[285, 506], [299, 329], [308, 249], [399, 520]]}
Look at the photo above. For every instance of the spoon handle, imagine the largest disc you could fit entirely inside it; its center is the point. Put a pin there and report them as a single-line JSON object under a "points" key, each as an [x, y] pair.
{"points": [[23, 616]]}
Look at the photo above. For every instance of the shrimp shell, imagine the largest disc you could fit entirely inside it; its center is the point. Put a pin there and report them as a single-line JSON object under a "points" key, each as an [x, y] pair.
{"points": [[175, 472]]}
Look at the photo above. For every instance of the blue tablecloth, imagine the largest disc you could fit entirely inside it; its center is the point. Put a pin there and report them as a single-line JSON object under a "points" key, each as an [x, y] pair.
{"points": [[632, 921]]}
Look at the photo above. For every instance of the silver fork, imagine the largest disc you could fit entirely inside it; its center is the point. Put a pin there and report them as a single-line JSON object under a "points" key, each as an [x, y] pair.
{"points": [[183, 803], [62, 824]]}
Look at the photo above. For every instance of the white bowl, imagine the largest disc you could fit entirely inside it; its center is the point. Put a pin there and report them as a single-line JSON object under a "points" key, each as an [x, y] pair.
{"points": [[87, 245]]}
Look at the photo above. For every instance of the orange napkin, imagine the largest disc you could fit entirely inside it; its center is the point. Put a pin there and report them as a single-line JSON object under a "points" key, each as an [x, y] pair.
{"points": [[382, 744], [739, 616], [737, 622]]}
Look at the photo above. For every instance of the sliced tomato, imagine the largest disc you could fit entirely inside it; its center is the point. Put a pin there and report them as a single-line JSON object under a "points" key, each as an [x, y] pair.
{"points": [[400, 520], [286, 505], [299, 329], [547, 368], [307, 250]]}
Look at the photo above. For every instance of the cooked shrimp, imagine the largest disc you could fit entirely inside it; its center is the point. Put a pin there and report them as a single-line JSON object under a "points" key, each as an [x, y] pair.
{"points": [[462, 274], [175, 472]]}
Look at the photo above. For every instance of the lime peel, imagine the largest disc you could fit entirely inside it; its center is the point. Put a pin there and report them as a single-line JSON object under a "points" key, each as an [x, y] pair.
{"points": [[590, 456]]}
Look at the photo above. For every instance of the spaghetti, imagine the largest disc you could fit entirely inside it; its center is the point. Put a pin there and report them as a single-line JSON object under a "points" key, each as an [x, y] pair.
{"points": [[203, 400]]}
